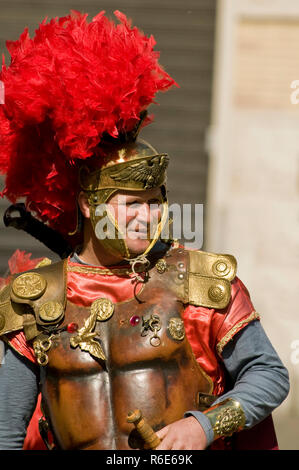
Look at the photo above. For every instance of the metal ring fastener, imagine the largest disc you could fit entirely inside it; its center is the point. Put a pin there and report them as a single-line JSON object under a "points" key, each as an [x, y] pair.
{"points": [[155, 340], [41, 347], [45, 344], [43, 359], [152, 323], [143, 261]]}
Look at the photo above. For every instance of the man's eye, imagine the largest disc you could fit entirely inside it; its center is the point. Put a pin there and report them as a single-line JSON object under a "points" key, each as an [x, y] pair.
{"points": [[154, 201], [131, 203], [138, 203]]}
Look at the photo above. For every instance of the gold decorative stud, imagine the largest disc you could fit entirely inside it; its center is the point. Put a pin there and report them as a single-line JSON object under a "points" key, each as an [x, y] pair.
{"points": [[29, 286], [220, 268], [51, 311], [176, 328], [216, 292], [103, 308], [161, 266]]}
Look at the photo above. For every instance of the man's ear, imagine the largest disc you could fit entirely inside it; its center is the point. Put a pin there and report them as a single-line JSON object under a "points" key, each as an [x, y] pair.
{"points": [[84, 204]]}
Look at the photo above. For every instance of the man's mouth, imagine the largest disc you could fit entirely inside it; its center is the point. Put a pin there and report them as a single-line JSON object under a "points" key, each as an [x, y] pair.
{"points": [[138, 234]]}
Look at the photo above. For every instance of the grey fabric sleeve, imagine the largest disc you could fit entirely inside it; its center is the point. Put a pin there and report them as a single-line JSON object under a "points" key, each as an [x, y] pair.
{"points": [[19, 380], [261, 382]]}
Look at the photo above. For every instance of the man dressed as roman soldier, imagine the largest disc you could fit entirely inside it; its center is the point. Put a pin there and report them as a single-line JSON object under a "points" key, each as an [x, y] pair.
{"points": [[130, 341]]}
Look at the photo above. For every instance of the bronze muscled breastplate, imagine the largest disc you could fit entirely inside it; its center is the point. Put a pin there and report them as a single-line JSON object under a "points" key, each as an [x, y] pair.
{"points": [[148, 364], [111, 364]]}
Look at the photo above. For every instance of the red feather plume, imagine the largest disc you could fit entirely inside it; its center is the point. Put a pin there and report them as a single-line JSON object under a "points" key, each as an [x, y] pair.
{"points": [[65, 88], [19, 262]]}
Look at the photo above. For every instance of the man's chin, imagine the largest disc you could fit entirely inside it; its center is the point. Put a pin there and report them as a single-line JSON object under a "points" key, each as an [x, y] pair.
{"points": [[137, 247]]}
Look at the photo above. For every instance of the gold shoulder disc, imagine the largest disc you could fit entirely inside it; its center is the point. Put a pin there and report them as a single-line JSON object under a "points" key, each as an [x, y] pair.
{"points": [[29, 286], [210, 277]]}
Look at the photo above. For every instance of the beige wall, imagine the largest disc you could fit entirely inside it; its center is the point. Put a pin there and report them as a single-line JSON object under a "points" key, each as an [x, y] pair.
{"points": [[253, 190]]}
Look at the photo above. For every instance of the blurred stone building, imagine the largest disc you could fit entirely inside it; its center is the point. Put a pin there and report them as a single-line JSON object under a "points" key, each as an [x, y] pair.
{"points": [[253, 178]]}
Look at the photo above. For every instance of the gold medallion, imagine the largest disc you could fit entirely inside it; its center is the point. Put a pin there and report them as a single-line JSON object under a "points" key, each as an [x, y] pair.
{"points": [[220, 268], [50, 311], [216, 292], [29, 286], [176, 328], [103, 308]]}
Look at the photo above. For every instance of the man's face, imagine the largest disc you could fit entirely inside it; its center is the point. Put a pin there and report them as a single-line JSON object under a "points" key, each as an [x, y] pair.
{"points": [[137, 214]]}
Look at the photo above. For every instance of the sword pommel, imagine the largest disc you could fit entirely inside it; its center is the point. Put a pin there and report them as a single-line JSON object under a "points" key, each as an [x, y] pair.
{"points": [[145, 430]]}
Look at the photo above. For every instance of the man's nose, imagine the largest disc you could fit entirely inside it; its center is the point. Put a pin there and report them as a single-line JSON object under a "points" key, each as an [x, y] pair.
{"points": [[148, 212]]}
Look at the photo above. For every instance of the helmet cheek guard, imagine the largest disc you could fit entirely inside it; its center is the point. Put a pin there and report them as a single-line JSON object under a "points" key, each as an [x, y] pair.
{"points": [[133, 166]]}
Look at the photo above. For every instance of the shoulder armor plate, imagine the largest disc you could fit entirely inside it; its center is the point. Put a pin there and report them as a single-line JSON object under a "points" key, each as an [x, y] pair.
{"points": [[210, 277], [34, 299], [200, 278]]}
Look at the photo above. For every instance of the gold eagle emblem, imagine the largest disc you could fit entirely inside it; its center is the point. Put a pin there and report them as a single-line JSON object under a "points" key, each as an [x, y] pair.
{"points": [[85, 338], [148, 172]]}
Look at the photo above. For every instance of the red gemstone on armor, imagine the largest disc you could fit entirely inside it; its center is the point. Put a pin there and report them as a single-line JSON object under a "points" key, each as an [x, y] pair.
{"points": [[134, 320], [72, 327]]}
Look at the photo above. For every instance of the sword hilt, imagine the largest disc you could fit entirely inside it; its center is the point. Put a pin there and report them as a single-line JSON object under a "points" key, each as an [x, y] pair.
{"points": [[18, 217], [145, 430]]}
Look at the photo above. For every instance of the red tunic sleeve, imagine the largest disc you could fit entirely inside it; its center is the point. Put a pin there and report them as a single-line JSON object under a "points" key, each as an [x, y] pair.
{"points": [[238, 314], [209, 330], [18, 342]]}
